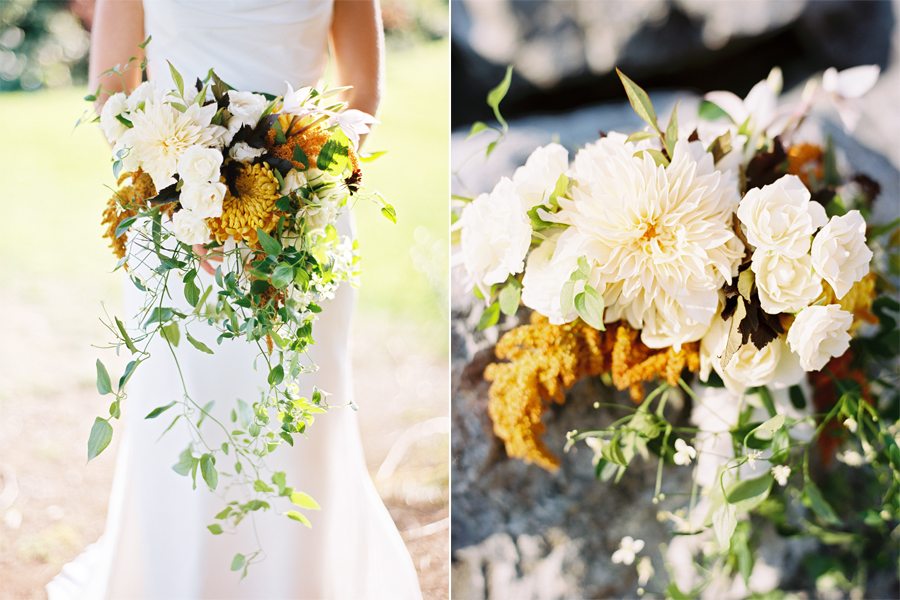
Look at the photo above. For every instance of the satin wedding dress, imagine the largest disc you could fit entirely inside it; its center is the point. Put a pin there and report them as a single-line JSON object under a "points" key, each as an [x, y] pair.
{"points": [[156, 544]]}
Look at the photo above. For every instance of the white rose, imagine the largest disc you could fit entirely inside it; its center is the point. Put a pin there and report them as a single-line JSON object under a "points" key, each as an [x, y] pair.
{"points": [[199, 165], [246, 107], [189, 228], [243, 152], [748, 366], [840, 254], [111, 126], [781, 217], [496, 235], [820, 333], [294, 180], [548, 269], [785, 284], [140, 95], [203, 199], [536, 179]]}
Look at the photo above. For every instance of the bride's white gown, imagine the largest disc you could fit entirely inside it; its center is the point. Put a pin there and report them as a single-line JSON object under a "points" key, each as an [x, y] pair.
{"points": [[156, 544]]}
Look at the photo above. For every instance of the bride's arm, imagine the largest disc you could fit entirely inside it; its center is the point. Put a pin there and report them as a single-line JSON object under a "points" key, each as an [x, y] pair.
{"points": [[357, 42], [117, 31]]}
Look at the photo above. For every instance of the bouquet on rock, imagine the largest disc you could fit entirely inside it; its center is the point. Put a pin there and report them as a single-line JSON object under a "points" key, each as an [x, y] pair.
{"points": [[250, 185], [727, 263]]}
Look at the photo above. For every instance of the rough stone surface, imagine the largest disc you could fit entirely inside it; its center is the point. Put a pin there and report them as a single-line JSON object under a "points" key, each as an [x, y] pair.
{"points": [[520, 532]]}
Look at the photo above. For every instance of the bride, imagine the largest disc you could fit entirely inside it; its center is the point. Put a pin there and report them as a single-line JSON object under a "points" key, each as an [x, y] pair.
{"points": [[156, 544]]}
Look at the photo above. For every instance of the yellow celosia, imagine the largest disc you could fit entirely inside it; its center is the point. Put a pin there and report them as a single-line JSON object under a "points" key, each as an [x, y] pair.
{"points": [[248, 206], [124, 204], [545, 360]]}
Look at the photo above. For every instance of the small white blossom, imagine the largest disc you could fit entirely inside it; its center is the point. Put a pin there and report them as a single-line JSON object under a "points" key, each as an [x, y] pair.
{"points": [[851, 424], [752, 457], [684, 453], [353, 123], [536, 179], [628, 550], [203, 199], [246, 107], [112, 127], [294, 100], [781, 474], [851, 458], [644, 570]]}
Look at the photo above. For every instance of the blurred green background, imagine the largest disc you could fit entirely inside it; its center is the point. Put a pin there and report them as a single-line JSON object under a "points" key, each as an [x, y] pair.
{"points": [[57, 280]]}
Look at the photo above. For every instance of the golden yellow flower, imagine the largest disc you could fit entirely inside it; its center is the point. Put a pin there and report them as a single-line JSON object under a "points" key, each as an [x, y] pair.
{"points": [[857, 301], [124, 204], [545, 360], [805, 160], [248, 206]]}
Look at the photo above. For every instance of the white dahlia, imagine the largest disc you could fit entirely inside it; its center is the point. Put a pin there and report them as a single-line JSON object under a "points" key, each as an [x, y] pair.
{"points": [[660, 238], [161, 134]]}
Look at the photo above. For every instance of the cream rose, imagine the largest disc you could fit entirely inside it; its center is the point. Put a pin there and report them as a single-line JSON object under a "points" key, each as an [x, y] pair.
{"points": [[785, 284], [496, 235], [780, 217], [548, 269], [199, 165], [246, 107], [820, 333], [536, 179], [203, 199], [189, 228], [840, 254], [748, 366], [112, 127], [294, 180], [243, 152]]}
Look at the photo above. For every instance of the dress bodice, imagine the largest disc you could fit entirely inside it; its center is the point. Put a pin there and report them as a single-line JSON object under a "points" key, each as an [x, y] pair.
{"points": [[254, 45]]}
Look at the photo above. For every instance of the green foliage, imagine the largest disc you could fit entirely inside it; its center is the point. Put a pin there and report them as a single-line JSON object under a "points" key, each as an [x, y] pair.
{"points": [[100, 437]]}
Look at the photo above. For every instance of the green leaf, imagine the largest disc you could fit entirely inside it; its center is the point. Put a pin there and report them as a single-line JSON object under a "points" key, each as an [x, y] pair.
{"points": [[177, 78], [639, 136], [125, 337], [333, 156], [477, 127], [490, 316], [261, 486], [299, 517], [282, 276], [208, 470], [123, 226], [390, 213], [270, 245], [237, 563], [813, 498], [129, 371], [496, 95], [709, 111], [276, 375], [104, 386], [589, 305], [509, 296], [185, 462], [197, 343], [171, 333], [143, 44], [191, 291], [215, 529], [101, 436], [639, 100], [798, 400], [672, 132], [159, 410], [300, 157], [750, 489], [304, 501], [720, 146], [658, 157]]}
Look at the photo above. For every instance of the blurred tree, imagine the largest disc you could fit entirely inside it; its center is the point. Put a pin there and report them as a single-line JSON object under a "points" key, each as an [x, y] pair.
{"points": [[42, 44]]}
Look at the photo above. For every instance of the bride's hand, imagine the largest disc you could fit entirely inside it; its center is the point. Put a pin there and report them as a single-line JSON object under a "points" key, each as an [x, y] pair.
{"points": [[206, 261]]}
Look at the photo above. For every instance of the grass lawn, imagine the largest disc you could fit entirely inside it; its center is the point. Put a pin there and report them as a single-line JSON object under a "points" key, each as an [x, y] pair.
{"points": [[52, 180]]}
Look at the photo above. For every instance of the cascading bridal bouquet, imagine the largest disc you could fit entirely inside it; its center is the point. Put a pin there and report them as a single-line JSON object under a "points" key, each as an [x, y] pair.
{"points": [[726, 261], [253, 184]]}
